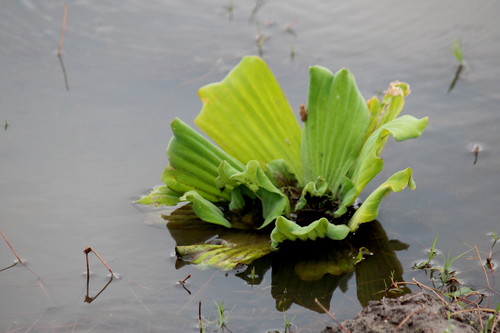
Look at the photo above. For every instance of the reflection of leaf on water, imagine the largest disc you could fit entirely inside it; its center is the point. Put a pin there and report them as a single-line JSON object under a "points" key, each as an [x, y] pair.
{"points": [[301, 271], [212, 246]]}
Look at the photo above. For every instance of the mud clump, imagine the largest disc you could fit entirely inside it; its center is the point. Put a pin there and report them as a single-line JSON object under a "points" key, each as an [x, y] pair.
{"points": [[421, 312]]}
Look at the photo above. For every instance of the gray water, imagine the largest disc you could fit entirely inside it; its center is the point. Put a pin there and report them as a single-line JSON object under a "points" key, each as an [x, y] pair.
{"points": [[73, 161]]}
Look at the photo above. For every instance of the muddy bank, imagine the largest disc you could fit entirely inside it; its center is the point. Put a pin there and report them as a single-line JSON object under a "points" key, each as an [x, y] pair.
{"points": [[421, 312]]}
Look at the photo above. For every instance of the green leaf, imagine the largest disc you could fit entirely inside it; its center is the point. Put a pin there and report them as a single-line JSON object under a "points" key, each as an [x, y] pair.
{"points": [[249, 117], [337, 121], [368, 211], [206, 210], [289, 230], [160, 195], [369, 163], [274, 202], [318, 188], [230, 250], [194, 164]]}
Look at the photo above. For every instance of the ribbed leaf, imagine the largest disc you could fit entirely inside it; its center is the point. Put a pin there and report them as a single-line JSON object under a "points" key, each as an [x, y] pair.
{"points": [[232, 249], [248, 116], [369, 163], [337, 121], [289, 230], [194, 164], [368, 211]]}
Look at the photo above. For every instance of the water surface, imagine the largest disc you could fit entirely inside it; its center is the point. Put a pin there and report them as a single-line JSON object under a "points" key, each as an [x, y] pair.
{"points": [[72, 162]]}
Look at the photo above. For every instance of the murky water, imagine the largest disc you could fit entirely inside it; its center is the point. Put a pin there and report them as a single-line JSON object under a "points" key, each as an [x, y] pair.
{"points": [[72, 162]]}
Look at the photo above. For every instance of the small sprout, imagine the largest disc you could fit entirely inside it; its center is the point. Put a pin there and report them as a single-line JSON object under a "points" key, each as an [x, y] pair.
{"points": [[287, 323], [6, 124], [457, 51], [230, 9]]}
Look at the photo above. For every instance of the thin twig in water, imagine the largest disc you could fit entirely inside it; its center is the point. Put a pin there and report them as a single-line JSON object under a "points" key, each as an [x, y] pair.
{"points": [[11, 248], [342, 327], [89, 249], [200, 321], [185, 279], [61, 39]]}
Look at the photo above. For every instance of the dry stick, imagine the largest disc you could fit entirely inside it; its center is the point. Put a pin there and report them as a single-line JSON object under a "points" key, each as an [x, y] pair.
{"points": [[39, 279], [485, 275], [61, 39], [418, 284], [11, 248], [196, 293], [342, 327], [408, 318], [89, 249], [185, 279]]}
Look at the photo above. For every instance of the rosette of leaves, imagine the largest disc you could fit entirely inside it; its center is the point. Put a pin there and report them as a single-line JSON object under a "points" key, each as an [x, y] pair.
{"points": [[266, 168]]}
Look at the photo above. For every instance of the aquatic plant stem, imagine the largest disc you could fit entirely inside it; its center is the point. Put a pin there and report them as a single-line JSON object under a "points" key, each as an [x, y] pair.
{"points": [[342, 327], [11, 248], [87, 251], [63, 28]]}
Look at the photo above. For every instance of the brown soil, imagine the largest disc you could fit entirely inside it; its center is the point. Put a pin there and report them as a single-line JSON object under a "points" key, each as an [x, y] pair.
{"points": [[421, 312]]}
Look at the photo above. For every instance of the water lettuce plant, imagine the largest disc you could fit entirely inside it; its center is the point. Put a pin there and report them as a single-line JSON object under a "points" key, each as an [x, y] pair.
{"points": [[263, 170]]}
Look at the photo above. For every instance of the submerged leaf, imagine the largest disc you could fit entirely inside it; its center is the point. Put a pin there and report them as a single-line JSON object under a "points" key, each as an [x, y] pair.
{"points": [[249, 117], [232, 249]]}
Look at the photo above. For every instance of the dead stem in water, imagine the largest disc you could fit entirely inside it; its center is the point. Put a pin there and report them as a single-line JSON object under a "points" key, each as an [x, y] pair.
{"points": [[87, 251], [59, 49], [11, 248], [331, 316]]}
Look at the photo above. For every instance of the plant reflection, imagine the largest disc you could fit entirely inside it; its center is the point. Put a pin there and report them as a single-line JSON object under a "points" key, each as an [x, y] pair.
{"points": [[89, 299], [302, 271]]}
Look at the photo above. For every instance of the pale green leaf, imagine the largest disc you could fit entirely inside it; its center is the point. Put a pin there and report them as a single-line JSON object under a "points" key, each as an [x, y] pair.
{"points": [[253, 178], [368, 211], [248, 116], [232, 249], [160, 195], [337, 121], [289, 230], [369, 163], [205, 210], [318, 188], [194, 164]]}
